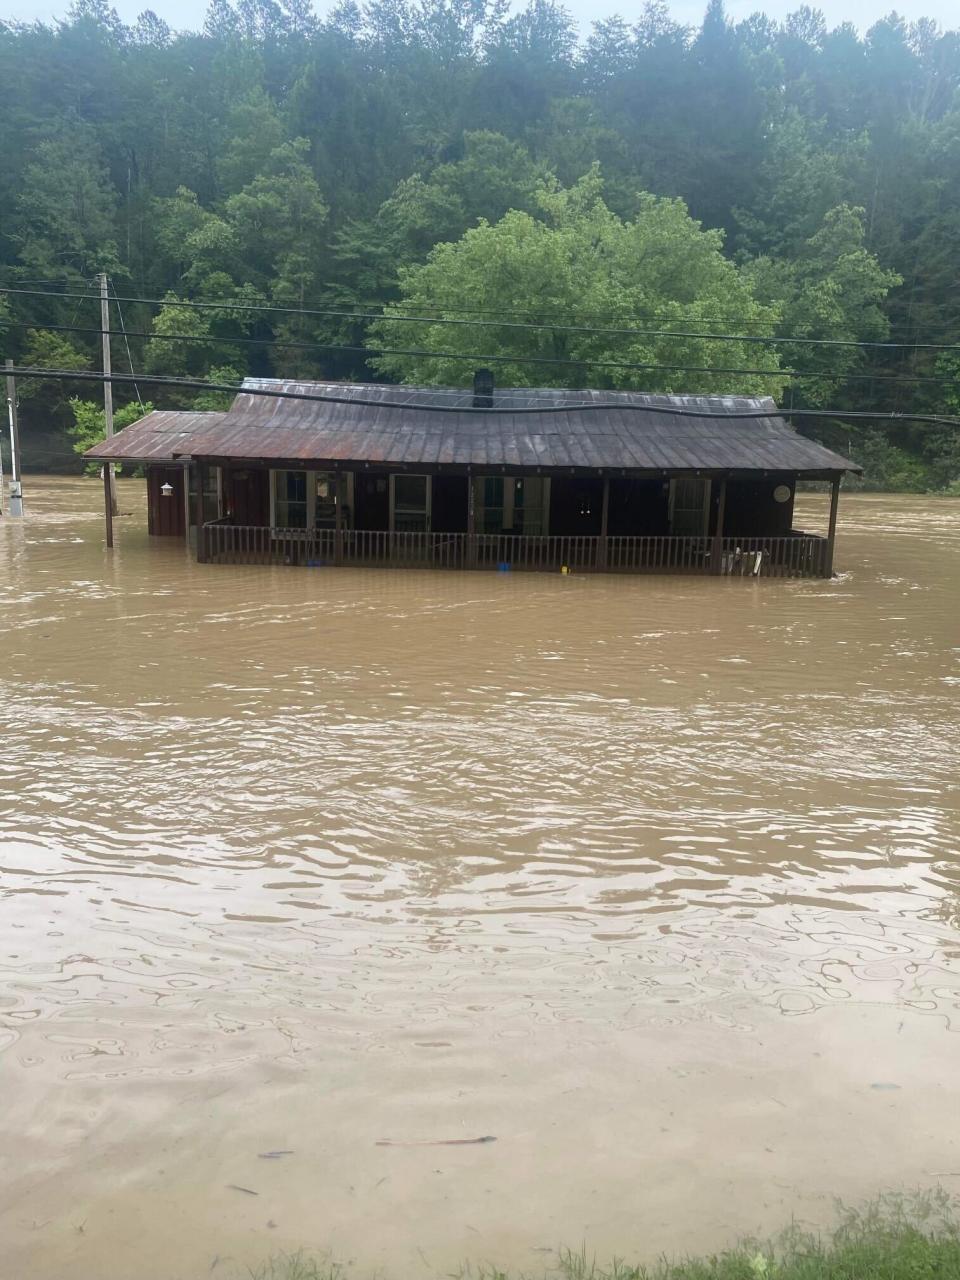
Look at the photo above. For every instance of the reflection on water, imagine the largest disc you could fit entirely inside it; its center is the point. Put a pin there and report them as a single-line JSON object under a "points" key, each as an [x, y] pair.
{"points": [[653, 878]]}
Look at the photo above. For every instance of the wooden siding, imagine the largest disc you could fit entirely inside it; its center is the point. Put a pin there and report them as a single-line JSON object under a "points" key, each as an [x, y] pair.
{"points": [[166, 516]]}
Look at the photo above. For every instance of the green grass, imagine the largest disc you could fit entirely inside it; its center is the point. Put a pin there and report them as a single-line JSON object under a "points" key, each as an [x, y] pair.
{"points": [[895, 1238]]}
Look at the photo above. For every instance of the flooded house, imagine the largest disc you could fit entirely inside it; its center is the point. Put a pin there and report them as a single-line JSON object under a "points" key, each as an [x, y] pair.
{"points": [[322, 473]]}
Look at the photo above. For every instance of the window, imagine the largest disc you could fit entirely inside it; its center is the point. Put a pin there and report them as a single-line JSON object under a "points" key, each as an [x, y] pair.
{"points": [[511, 504], [689, 507], [290, 499], [327, 494], [211, 494], [410, 503]]}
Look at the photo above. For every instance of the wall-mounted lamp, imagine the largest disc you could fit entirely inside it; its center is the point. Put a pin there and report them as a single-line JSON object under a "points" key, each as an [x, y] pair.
{"points": [[167, 490]]}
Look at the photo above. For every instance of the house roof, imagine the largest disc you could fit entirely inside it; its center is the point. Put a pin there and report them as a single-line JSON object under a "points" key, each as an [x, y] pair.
{"points": [[533, 428], [157, 437]]}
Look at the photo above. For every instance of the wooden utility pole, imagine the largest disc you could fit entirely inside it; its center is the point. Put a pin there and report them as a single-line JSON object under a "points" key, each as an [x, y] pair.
{"points": [[107, 385], [16, 492], [832, 527], [107, 509]]}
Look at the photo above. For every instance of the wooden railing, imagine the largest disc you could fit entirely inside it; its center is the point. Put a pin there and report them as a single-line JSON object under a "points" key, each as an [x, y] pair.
{"points": [[800, 555], [803, 555]]}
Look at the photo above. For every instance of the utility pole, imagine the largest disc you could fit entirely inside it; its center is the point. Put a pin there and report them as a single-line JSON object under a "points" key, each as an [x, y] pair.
{"points": [[107, 385], [16, 492]]}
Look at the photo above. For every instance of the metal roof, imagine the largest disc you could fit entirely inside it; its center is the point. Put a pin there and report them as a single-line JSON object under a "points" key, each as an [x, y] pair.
{"points": [[557, 430], [157, 437]]}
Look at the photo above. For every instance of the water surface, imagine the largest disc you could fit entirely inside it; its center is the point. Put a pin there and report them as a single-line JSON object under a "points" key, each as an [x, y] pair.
{"points": [[654, 879]]}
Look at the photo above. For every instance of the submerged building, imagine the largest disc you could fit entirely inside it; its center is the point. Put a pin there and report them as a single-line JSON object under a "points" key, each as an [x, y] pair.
{"points": [[364, 474]]}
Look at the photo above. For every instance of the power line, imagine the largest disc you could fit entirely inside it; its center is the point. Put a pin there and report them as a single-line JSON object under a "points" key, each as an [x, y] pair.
{"points": [[197, 384], [503, 324], [479, 359], [447, 305], [126, 343], [470, 358]]}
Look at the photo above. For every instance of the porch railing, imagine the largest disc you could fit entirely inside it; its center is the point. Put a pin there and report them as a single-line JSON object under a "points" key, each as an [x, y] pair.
{"points": [[799, 555]]}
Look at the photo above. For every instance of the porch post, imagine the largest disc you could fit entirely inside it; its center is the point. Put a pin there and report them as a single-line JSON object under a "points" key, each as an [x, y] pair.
{"points": [[604, 520], [832, 527], [201, 485], [716, 554], [338, 522], [108, 503], [471, 520], [185, 500]]}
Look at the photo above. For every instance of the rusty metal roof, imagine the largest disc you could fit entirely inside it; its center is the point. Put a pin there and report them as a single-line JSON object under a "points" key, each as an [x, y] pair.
{"points": [[369, 423], [560, 434], [156, 437]]}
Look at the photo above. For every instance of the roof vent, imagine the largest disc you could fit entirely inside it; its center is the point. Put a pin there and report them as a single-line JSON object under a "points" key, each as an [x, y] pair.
{"points": [[483, 389]]}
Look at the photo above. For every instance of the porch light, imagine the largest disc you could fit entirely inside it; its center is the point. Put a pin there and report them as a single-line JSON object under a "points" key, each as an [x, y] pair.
{"points": [[167, 490]]}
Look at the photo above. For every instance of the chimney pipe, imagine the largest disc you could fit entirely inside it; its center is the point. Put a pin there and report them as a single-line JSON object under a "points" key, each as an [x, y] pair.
{"points": [[483, 389]]}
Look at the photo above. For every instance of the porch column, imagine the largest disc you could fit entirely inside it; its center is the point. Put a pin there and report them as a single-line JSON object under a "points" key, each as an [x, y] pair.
{"points": [[201, 485], [108, 503], [185, 500], [604, 519], [471, 561], [716, 553], [832, 527], [338, 520]]}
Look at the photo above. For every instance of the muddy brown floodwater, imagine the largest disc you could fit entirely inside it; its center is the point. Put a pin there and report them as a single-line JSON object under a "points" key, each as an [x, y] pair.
{"points": [[655, 880]]}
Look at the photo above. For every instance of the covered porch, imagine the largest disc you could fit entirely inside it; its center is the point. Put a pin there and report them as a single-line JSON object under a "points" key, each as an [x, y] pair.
{"points": [[726, 524]]}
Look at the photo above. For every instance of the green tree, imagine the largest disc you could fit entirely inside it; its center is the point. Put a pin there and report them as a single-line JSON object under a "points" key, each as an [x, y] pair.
{"points": [[47, 400], [67, 209], [575, 261], [90, 425], [197, 244], [188, 342], [833, 289], [278, 220]]}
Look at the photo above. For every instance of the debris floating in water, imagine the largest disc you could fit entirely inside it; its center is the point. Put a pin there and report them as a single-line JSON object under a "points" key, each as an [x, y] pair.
{"points": [[232, 1186], [272, 1155], [437, 1142]]}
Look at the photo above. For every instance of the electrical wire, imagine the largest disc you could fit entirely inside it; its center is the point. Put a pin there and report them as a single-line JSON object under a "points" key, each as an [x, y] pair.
{"points": [[441, 320], [126, 343], [440, 304], [85, 375], [470, 358], [479, 360]]}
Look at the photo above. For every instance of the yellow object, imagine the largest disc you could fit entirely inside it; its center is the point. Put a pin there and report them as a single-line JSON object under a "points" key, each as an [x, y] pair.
{"points": [[564, 569]]}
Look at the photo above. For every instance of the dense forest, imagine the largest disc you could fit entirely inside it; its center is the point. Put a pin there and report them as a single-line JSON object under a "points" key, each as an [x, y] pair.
{"points": [[407, 189]]}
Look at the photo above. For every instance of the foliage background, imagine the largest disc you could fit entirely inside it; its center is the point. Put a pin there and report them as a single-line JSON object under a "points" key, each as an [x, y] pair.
{"points": [[757, 178]]}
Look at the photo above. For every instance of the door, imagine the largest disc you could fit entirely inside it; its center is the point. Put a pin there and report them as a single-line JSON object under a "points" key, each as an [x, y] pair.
{"points": [[409, 504], [246, 495]]}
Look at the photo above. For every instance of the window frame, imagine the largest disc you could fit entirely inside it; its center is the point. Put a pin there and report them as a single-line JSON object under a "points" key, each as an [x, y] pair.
{"points": [[427, 510]]}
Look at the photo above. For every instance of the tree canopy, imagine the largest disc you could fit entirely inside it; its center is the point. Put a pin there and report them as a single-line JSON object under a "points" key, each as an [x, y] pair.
{"points": [[579, 258], [762, 179]]}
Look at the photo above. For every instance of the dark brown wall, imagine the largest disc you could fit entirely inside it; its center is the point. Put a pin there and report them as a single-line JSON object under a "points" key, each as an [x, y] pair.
{"points": [[246, 495], [575, 505], [449, 504], [371, 496], [638, 507], [165, 515], [751, 510]]}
